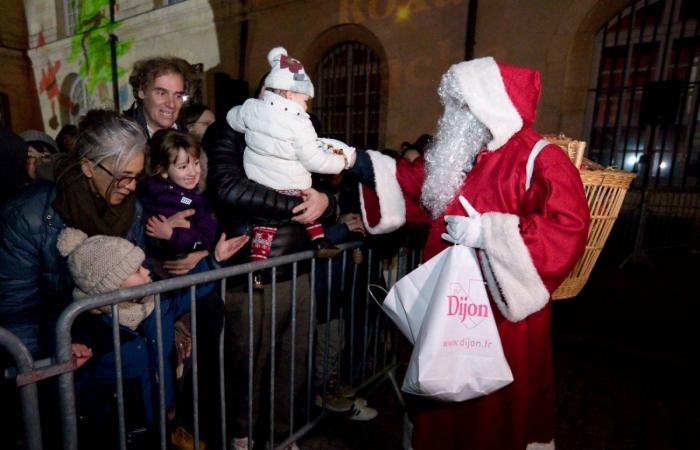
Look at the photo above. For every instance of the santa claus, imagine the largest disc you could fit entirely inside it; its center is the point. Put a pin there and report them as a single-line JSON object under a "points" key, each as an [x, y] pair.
{"points": [[490, 182]]}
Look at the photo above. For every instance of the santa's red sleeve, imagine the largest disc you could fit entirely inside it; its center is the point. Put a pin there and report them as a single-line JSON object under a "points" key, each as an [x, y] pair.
{"points": [[395, 199], [530, 253]]}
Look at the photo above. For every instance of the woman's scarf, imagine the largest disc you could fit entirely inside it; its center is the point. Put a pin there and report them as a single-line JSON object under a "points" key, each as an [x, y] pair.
{"points": [[86, 210]]}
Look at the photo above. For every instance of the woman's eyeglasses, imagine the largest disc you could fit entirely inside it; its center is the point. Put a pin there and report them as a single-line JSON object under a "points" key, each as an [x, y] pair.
{"points": [[122, 182]]}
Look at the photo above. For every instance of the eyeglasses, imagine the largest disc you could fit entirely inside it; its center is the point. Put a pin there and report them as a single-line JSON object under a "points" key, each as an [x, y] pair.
{"points": [[123, 181]]}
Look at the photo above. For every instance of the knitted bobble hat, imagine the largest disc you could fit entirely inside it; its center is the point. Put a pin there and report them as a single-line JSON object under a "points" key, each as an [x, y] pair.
{"points": [[287, 73], [98, 264], [101, 264]]}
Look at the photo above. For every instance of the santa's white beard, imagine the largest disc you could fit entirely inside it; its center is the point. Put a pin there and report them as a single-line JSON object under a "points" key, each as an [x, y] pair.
{"points": [[460, 137]]}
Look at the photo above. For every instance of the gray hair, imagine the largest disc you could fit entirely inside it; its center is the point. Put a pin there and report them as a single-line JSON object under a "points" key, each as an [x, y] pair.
{"points": [[105, 134]]}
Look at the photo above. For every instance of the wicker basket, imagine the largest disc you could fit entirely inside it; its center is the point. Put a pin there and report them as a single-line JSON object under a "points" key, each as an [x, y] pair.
{"points": [[574, 149], [605, 190]]}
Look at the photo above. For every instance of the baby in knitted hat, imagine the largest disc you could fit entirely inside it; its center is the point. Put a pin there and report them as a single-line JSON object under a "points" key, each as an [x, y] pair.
{"points": [[101, 264], [282, 148]]}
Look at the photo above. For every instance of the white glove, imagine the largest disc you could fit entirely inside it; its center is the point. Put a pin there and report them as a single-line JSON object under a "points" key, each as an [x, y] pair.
{"points": [[466, 231], [331, 144]]}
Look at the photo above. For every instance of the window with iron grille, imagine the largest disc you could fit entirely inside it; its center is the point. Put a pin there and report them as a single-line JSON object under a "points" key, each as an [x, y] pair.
{"points": [[643, 105], [348, 86]]}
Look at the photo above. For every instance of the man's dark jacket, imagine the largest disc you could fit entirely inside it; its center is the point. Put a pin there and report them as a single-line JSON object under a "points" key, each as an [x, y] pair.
{"points": [[239, 201]]}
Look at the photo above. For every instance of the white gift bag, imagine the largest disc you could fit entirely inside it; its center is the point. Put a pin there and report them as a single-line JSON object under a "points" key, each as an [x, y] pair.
{"points": [[409, 298], [457, 352]]}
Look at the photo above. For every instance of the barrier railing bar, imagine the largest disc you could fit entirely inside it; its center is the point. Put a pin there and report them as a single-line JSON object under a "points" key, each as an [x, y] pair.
{"points": [[116, 341], [28, 392], [195, 367], [293, 346], [222, 371], [273, 349], [161, 372]]}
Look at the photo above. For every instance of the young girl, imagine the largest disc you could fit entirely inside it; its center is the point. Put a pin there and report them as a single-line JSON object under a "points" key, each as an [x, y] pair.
{"points": [[172, 188]]}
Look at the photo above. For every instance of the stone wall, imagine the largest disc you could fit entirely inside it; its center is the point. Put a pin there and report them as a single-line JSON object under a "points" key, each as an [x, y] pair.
{"points": [[417, 40]]}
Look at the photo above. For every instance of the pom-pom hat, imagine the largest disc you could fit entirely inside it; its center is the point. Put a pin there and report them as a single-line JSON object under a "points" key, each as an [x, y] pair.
{"points": [[287, 73], [100, 264]]}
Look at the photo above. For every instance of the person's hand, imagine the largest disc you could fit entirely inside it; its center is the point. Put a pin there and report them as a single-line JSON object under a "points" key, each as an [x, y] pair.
{"points": [[182, 266], [466, 231], [339, 147], [357, 256], [226, 248], [179, 219], [183, 338], [312, 207], [158, 227], [354, 223], [81, 353]]}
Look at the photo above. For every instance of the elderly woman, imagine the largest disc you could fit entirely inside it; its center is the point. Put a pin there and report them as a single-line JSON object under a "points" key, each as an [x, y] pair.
{"points": [[94, 193]]}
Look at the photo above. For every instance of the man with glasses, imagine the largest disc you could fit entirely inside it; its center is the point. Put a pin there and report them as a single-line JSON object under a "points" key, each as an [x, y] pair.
{"points": [[160, 86]]}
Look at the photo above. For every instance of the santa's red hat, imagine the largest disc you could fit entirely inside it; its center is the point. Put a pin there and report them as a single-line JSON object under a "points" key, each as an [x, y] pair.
{"points": [[501, 96]]}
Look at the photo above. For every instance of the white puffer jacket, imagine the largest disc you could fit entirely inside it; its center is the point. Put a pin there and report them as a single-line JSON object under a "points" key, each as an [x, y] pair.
{"points": [[281, 144]]}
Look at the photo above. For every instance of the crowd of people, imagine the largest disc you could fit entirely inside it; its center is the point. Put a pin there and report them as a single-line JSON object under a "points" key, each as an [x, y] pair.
{"points": [[163, 190]]}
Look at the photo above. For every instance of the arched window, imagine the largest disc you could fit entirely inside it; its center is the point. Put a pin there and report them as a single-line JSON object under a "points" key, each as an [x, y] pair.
{"points": [[643, 105], [348, 86]]}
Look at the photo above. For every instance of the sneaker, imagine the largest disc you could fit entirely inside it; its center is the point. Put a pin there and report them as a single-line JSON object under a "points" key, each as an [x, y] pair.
{"points": [[328, 396], [241, 444], [333, 402], [346, 390], [360, 411], [341, 388], [324, 249]]}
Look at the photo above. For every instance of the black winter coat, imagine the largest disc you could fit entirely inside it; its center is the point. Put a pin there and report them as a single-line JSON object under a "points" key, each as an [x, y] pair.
{"points": [[239, 202], [35, 284]]}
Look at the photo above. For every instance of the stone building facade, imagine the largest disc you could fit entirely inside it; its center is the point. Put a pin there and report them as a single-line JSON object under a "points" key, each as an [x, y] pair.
{"points": [[66, 66]]}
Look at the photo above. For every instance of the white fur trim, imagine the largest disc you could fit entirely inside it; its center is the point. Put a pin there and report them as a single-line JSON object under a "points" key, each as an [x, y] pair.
{"points": [[541, 446], [484, 92], [392, 206], [523, 291]]}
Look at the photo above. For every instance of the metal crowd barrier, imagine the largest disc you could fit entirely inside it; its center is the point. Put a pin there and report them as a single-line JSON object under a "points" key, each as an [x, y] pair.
{"points": [[29, 398], [372, 336]]}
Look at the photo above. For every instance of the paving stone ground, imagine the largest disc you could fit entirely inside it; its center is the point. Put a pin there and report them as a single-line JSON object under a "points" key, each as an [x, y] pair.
{"points": [[624, 356]]}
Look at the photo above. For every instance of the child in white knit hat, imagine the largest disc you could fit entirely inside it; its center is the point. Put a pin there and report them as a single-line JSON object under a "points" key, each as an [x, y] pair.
{"points": [[282, 148]]}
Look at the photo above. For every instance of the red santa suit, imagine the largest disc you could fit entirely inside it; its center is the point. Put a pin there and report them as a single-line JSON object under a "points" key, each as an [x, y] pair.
{"points": [[535, 224]]}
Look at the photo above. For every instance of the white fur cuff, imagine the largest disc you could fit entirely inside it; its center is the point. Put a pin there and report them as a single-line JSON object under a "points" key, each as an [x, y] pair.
{"points": [[523, 291], [392, 206]]}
